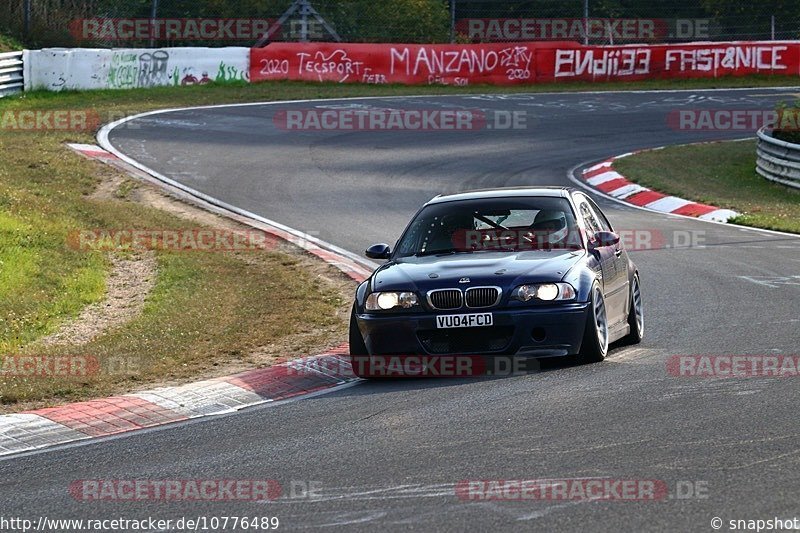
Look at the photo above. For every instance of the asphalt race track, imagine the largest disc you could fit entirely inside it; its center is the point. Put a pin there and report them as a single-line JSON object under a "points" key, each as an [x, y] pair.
{"points": [[387, 455]]}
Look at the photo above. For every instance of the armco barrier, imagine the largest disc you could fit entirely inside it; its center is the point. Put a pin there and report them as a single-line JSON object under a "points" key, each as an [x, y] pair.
{"points": [[777, 160], [11, 70], [57, 69], [518, 63]]}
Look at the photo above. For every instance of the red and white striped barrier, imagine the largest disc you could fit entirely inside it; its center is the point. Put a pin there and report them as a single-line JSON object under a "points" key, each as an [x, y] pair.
{"points": [[604, 178]]}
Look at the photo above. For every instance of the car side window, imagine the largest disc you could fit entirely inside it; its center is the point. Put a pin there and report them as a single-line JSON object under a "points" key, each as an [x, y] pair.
{"points": [[589, 218], [599, 215]]}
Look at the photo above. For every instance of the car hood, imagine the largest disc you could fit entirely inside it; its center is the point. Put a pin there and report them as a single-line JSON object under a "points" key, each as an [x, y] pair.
{"points": [[503, 269]]}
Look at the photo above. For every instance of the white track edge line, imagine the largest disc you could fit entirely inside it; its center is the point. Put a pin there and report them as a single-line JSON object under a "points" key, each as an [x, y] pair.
{"points": [[105, 143]]}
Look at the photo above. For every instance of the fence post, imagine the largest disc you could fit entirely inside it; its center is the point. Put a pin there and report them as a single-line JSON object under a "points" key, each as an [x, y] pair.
{"points": [[26, 20], [452, 21], [153, 16], [585, 22], [772, 26]]}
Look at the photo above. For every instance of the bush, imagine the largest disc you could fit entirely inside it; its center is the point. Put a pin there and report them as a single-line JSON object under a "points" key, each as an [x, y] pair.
{"points": [[398, 21], [9, 44], [788, 125]]}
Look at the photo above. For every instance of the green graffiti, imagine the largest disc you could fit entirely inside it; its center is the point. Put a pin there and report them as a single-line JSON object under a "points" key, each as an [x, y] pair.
{"points": [[230, 73], [128, 70], [124, 71]]}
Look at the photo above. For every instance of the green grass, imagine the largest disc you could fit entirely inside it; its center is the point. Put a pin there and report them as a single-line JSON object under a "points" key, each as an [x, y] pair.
{"points": [[721, 174], [41, 279], [206, 309]]}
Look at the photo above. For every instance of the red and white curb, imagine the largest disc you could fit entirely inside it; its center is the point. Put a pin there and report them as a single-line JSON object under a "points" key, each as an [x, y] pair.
{"points": [[104, 417], [605, 179]]}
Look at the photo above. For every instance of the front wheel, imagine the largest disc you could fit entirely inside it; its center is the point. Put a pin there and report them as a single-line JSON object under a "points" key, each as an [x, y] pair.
{"points": [[594, 347], [636, 314], [358, 349]]}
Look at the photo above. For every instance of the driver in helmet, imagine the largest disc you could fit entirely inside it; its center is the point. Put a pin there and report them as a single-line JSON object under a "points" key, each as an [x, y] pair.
{"points": [[549, 229]]}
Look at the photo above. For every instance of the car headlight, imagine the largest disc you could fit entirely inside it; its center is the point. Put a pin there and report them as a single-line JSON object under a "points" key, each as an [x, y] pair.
{"points": [[383, 301], [547, 292]]}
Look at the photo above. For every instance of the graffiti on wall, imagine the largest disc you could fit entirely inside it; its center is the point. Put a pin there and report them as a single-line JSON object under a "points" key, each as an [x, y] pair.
{"points": [[131, 69]]}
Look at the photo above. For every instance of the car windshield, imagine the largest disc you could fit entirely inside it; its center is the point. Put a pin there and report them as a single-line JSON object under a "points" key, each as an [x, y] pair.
{"points": [[494, 224]]}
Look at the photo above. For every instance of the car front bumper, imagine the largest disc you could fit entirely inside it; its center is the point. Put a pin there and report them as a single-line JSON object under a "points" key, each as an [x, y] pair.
{"points": [[541, 331]]}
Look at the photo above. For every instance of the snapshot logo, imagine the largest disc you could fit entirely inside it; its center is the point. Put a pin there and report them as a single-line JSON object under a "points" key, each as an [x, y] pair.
{"points": [[49, 120], [771, 524], [178, 240], [733, 366], [192, 490], [733, 119], [585, 489], [373, 119], [160, 29], [607, 29]]}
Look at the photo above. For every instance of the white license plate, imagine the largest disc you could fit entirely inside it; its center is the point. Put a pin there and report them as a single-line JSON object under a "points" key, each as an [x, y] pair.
{"points": [[471, 320]]}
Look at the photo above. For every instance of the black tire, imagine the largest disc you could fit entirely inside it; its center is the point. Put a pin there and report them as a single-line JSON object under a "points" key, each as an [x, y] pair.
{"points": [[594, 347], [358, 350], [636, 314]]}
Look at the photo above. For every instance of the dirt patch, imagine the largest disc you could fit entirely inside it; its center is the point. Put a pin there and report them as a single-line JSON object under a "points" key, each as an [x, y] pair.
{"points": [[130, 281], [309, 343]]}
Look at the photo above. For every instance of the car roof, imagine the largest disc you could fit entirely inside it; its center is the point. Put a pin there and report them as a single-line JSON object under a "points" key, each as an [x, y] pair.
{"points": [[503, 192]]}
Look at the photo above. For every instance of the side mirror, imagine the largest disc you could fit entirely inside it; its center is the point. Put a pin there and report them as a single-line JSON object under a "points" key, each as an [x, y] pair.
{"points": [[604, 238], [378, 251]]}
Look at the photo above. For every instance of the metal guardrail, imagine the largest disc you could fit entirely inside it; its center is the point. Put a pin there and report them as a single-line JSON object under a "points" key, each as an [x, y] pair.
{"points": [[11, 74], [777, 160]]}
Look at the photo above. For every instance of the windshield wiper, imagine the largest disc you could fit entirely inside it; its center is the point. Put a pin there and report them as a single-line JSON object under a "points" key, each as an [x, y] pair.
{"points": [[442, 252], [452, 252]]}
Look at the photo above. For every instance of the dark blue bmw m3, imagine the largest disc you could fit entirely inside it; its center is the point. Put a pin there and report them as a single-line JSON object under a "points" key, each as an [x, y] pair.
{"points": [[529, 272]]}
